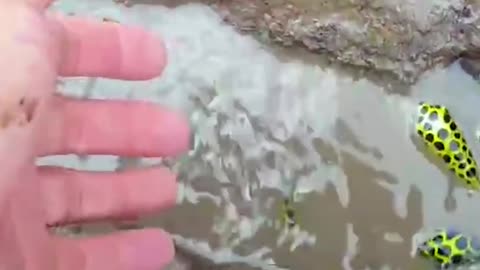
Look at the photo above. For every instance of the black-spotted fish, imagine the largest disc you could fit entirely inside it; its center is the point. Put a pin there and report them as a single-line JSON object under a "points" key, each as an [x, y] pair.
{"points": [[449, 248], [444, 138]]}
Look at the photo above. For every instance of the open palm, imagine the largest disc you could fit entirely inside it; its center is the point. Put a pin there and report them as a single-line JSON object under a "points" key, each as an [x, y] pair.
{"points": [[35, 48]]}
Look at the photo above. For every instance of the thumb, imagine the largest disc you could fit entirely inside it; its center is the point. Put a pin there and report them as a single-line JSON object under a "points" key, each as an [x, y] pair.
{"points": [[147, 249]]}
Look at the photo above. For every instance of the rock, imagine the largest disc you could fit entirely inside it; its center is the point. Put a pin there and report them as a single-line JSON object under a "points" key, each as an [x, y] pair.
{"points": [[401, 37], [471, 66]]}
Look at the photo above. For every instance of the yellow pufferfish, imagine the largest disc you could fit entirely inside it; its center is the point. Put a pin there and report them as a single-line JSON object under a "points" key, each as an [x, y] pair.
{"points": [[449, 248], [443, 137]]}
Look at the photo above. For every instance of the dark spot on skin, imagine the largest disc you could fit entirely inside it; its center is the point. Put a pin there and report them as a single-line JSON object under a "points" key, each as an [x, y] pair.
{"points": [[472, 172], [456, 135], [438, 238], [469, 182], [436, 106], [20, 116], [447, 158], [30, 109], [420, 133], [462, 165], [439, 146], [444, 251], [447, 118], [427, 126], [464, 148], [461, 243], [429, 137], [469, 161], [432, 252], [461, 175], [453, 146], [442, 133], [424, 110], [470, 153], [458, 157], [456, 259], [453, 126], [433, 116]]}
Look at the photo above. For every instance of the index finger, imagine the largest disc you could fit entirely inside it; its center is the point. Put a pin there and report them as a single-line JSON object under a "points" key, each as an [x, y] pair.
{"points": [[106, 49], [146, 249]]}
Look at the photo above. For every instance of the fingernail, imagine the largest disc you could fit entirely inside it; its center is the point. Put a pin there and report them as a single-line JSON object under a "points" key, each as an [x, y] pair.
{"points": [[153, 252], [157, 50], [173, 133], [148, 50]]}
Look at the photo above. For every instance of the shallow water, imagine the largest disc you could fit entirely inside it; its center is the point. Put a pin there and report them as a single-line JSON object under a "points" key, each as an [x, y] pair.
{"points": [[343, 144]]}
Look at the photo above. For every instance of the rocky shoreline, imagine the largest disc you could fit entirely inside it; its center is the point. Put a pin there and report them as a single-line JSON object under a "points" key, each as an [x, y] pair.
{"points": [[397, 37]]}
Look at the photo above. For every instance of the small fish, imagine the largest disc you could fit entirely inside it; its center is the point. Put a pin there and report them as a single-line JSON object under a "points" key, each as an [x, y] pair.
{"points": [[449, 248], [443, 137], [287, 214]]}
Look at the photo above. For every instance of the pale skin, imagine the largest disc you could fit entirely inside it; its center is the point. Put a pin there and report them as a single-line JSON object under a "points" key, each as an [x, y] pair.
{"points": [[35, 49]]}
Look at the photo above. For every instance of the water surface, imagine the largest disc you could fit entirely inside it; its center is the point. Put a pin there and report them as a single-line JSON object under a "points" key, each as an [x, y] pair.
{"points": [[266, 127]]}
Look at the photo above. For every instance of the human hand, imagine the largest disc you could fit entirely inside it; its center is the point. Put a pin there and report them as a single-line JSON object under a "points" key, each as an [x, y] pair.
{"points": [[35, 48]]}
